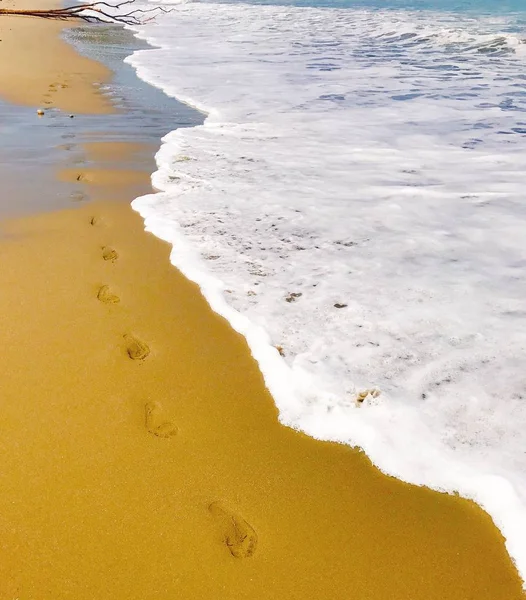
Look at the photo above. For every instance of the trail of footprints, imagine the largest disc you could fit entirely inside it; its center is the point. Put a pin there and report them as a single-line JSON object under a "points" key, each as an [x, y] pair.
{"points": [[238, 536], [52, 89]]}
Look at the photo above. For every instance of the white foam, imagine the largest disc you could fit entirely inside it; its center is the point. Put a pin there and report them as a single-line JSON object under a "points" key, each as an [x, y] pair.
{"points": [[375, 160]]}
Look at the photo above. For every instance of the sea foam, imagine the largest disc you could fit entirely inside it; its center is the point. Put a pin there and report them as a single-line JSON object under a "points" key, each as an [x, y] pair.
{"points": [[354, 202]]}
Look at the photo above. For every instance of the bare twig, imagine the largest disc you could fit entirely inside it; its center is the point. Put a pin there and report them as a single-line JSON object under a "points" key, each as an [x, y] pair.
{"points": [[94, 12]]}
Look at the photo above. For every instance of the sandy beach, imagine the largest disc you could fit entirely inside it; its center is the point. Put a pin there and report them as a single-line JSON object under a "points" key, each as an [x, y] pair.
{"points": [[142, 454]]}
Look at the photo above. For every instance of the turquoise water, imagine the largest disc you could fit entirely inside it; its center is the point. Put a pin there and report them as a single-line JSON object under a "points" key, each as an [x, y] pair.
{"points": [[481, 7]]}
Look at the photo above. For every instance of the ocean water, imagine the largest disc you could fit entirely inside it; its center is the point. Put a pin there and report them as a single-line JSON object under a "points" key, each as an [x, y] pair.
{"points": [[354, 205]]}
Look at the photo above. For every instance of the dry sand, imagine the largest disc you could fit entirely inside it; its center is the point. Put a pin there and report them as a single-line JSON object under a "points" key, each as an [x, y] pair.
{"points": [[141, 454]]}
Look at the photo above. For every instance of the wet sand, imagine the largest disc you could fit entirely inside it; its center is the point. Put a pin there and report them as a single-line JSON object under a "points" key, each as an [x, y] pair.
{"points": [[142, 455], [38, 68]]}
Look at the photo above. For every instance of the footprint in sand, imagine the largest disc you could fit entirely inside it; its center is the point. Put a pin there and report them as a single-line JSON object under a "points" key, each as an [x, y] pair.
{"points": [[53, 87], [135, 348], [109, 254], [106, 296], [78, 196], [239, 536], [164, 429]]}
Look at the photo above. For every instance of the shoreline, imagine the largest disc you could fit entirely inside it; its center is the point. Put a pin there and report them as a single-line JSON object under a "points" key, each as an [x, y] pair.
{"points": [[137, 429], [34, 77], [259, 218]]}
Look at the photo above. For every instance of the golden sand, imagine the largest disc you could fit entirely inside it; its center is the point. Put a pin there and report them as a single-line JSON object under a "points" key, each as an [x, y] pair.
{"points": [[142, 457], [105, 177], [115, 154], [38, 68]]}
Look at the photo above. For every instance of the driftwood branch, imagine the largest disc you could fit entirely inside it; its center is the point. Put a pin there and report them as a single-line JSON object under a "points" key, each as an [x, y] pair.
{"points": [[94, 12]]}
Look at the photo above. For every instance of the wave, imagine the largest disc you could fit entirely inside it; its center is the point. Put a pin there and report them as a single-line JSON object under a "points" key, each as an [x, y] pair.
{"points": [[353, 205]]}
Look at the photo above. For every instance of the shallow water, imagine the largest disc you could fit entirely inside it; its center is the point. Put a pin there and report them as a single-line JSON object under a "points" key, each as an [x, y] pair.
{"points": [[33, 145], [355, 201]]}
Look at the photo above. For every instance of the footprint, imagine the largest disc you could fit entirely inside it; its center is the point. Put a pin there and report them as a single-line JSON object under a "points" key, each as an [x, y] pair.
{"points": [[109, 254], [78, 196], [107, 296], [97, 222], [239, 536], [136, 349], [163, 430]]}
